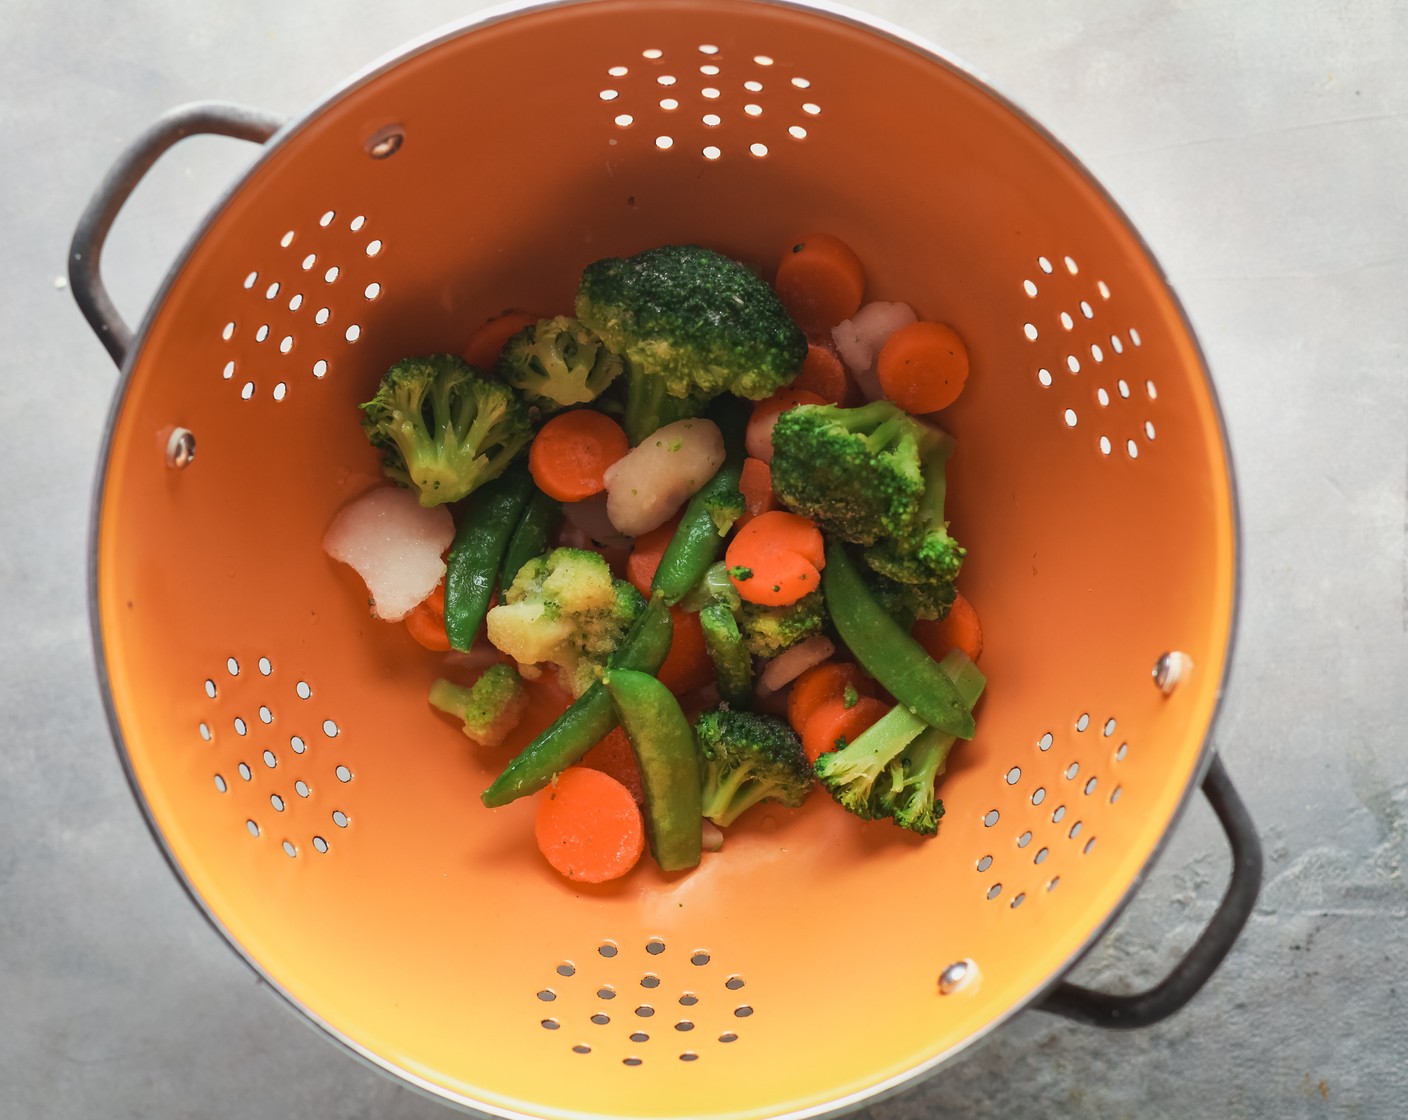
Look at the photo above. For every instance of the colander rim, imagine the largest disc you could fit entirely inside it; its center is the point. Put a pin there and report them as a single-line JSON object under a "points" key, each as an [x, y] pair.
{"points": [[914, 1075]]}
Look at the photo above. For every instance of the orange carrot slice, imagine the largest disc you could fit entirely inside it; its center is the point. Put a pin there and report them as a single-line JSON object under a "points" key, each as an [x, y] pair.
{"points": [[820, 281], [821, 683], [571, 452], [823, 374], [588, 826], [959, 629], [482, 349], [776, 558], [833, 721], [923, 367]]}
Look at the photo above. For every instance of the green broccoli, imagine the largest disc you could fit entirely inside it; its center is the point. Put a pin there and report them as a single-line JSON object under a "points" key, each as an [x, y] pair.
{"points": [[770, 630], [691, 324], [747, 758], [490, 708], [876, 477], [859, 473], [905, 602], [926, 554], [891, 769], [443, 429], [566, 609], [557, 363]]}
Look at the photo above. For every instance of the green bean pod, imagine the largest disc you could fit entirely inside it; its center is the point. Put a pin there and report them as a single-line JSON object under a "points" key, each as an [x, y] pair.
{"points": [[540, 521], [663, 743], [699, 539], [886, 651], [588, 719], [487, 520], [733, 664]]}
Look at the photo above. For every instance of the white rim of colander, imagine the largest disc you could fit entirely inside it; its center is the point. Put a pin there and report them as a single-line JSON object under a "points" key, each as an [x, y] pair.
{"points": [[892, 1085]]}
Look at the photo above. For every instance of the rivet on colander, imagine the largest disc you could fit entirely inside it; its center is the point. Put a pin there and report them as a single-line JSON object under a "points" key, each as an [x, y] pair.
{"points": [[957, 975], [1170, 669], [180, 448], [385, 142]]}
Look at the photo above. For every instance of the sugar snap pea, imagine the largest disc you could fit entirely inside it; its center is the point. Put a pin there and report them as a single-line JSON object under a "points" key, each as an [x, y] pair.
{"points": [[663, 743], [886, 651], [487, 519], [733, 664], [589, 718], [700, 538], [540, 520]]}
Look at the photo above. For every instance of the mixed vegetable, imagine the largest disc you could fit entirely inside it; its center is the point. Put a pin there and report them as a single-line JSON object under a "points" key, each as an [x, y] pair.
{"points": [[709, 511]]}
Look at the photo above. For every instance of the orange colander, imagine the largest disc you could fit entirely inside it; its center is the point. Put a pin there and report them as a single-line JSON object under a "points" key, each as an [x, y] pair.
{"points": [[327, 820]]}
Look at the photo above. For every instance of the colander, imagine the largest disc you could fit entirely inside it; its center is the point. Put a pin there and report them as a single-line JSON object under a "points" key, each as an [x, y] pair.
{"points": [[277, 738]]}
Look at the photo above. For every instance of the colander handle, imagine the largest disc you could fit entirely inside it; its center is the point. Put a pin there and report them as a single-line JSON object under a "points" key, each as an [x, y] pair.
{"points": [[1101, 1009], [85, 253]]}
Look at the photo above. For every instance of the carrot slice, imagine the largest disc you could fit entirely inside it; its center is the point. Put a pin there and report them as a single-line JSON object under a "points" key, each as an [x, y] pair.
{"points": [[647, 550], [823, 374], [821, 683], [755, 482], [571, 452], [687, 666], [923, 367], [776, 558], [482, 349], [757, 438], [959, 629], [588, 826], [613, 755], [820, 281], [426, 622], [833, 721]]}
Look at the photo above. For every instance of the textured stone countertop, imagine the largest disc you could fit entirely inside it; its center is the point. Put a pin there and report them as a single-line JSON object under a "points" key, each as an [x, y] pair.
{"points": [[1261, 148]]}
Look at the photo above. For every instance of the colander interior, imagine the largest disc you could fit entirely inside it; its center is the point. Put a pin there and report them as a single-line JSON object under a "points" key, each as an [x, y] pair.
{"points": [[328, 820]]}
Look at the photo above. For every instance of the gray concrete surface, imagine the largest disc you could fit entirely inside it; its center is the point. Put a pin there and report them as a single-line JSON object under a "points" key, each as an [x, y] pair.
{"points": [[1261, 147]]}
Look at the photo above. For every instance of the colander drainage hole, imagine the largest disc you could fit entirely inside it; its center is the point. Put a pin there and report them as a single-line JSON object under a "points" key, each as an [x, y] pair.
{"points": [[650, 981], [566, 970], [733, 983], [728, 1036]]}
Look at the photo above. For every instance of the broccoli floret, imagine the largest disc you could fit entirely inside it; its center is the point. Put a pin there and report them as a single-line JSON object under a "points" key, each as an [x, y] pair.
{"points": [[444, 430], [748, 757], [558, 362], [691, 324], [490, 708], [891, 769], [905, 602], [925, 555], [875, 476], [770, 630], [565, 608], [859, 473]]}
